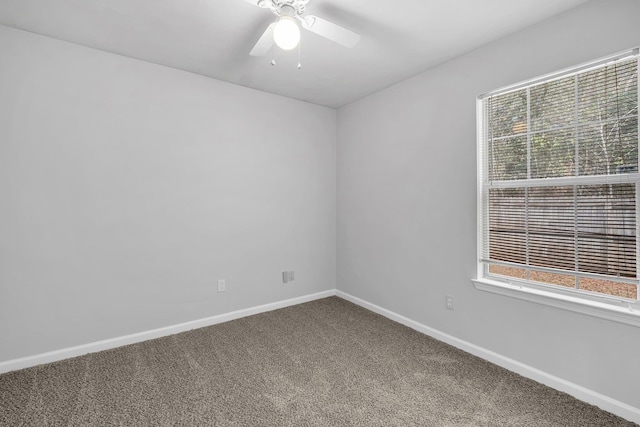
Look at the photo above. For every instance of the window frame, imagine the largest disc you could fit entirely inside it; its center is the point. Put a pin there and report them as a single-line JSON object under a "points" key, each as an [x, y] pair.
{"points": [[618, 309]]}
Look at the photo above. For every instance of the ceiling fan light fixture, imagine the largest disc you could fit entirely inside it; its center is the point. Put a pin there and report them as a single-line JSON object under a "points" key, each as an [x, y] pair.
{"points": [[286, 33]]}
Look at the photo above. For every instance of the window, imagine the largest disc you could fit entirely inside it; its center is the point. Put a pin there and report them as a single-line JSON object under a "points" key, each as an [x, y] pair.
{"points": [[558, 187]]}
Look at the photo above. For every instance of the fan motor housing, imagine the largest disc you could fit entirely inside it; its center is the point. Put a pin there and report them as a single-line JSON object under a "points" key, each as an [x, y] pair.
{"points": [[291, 8]]}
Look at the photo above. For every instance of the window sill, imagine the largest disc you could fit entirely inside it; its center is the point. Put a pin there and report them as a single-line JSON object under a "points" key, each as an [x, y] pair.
{"points": [[621, 314]]}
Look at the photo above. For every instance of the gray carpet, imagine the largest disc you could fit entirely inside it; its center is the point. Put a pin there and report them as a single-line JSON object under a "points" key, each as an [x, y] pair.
{"points": [[323, 363]]}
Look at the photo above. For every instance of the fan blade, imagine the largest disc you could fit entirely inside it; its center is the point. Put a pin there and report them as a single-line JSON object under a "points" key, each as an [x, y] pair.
{"points": [[267, 4], [331, 31], [264, 43]]}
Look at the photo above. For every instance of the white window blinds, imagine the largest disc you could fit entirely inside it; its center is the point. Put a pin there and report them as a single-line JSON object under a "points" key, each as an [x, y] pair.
{"points": [[559, 180]]}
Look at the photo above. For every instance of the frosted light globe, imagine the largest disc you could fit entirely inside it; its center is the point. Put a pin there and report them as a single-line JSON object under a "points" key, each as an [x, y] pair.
{"points": [[286, 34]]}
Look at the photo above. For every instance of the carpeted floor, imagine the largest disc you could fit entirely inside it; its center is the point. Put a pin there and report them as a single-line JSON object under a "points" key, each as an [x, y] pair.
{"points": [[323, 363]]}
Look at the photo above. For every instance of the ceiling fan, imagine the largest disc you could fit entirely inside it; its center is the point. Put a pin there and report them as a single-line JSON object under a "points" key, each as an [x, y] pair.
{"points": [[285, 32]]}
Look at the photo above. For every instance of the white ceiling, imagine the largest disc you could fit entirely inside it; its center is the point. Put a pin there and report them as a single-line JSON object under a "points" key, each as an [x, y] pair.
{"points": [[400, 38]]}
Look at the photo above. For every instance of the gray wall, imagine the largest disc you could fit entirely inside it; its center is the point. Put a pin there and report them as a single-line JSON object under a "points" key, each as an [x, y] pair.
{"points": [[407, 204], [127, 189]]}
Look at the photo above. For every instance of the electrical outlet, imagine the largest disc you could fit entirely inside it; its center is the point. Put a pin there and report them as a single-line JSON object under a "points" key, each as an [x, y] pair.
{"points": [[449, 302], [292, 276], [222, 285]]}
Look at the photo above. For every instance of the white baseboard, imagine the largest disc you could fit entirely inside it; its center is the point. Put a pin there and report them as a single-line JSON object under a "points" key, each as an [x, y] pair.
{"points": [[604, 402], [66, 353]]}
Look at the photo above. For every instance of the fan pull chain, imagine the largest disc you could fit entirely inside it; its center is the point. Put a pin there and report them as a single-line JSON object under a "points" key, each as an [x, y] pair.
{"points": [[274, 63]]}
